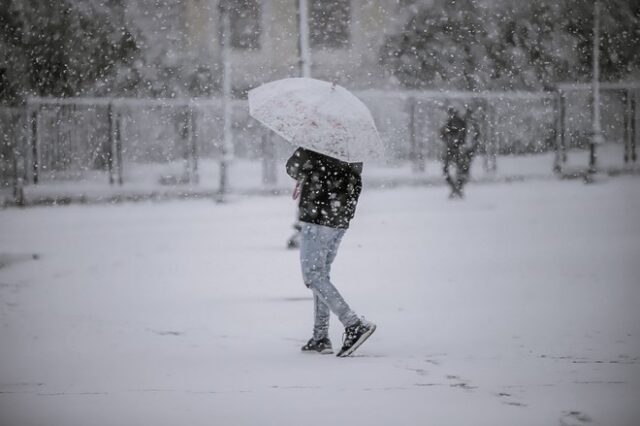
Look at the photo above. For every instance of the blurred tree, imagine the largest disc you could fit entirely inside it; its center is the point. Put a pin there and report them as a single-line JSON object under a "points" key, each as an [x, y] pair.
{"points": [[619, 38], [442, 44], [529, 48], [62, 47], [509, 44]]}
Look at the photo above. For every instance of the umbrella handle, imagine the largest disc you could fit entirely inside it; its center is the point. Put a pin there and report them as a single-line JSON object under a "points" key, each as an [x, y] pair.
{"points": [[296, 191]]}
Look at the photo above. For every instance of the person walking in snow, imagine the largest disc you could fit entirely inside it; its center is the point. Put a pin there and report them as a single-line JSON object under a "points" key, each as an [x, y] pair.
{"points": [[454, 134], [328, 190]]}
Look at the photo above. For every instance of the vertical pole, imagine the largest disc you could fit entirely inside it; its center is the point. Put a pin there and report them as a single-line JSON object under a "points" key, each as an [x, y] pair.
{"points": [[634, 128], [35, 146], [557, 124], [185, 140], [597, 130], [18, 160], [494, 149], [27, 142], [269, 177], [479, 121], [563, 127], [73, 132], [486, 135], [491, 140], [112, 142], [54, 144], [628, 118], [412, 136], [416, 151], [485, 160], [18, 183], [118, 141], [304, 49], [226, 99], [557, 168], [304, 61], [193, 147]]}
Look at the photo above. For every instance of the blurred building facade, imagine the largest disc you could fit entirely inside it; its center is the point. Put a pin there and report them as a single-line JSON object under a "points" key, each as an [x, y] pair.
{"points": [[345, 38]]}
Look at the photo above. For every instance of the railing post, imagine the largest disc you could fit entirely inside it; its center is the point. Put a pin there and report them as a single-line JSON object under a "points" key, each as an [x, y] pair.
{"points": [[417, 155], [26, 141], [118, 145], [490, 145], [626, 125], [485, 135], [114, 159], [269, 176], [112, 143], [193, 147], [18, 183], [563, 128], [17, 144], [557, 132], [632, 121], [227, 142], [34, 148]]}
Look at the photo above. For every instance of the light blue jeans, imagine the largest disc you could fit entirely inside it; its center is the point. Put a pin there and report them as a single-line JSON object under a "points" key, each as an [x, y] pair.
{"points": [[318, 248]]}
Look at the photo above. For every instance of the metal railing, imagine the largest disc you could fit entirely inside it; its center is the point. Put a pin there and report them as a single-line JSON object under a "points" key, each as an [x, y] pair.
{"points": [[107, 139]]}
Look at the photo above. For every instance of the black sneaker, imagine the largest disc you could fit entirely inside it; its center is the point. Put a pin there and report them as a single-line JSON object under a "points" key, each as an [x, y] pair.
{"points": [[322, 346], [354, 336]]}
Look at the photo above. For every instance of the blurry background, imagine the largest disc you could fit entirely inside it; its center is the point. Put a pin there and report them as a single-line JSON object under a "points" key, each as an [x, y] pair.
{"points": [[112, 93]]}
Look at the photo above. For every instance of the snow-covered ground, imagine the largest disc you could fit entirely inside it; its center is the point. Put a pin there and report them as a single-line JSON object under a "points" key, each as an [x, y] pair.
{"points": [[516, 306]]}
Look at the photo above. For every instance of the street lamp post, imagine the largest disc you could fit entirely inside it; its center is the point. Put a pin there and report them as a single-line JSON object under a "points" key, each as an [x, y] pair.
{"points": [[227, 142], [304, 50], [597, 129]]}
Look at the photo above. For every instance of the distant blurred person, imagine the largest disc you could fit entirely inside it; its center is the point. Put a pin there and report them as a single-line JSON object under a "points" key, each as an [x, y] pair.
{"points": [[456, 153]]}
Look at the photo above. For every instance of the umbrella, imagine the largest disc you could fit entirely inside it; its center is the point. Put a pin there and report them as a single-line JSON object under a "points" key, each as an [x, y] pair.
{"points": [[319, 116]]}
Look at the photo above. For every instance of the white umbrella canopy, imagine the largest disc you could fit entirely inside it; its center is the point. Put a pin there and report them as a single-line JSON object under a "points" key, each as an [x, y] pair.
{"points": [[319, 116]]}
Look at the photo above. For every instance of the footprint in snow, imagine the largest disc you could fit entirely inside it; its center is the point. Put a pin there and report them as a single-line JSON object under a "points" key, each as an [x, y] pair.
{"points": [[167, 332], [459, 383], [508, 400], [574, 418]]}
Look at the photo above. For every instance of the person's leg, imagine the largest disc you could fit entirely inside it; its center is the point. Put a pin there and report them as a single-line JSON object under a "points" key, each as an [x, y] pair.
{"points": [[462, 179], [312, 254], [459, 181], [463, 174], [318, 248], [321, 316], [447, 173]]}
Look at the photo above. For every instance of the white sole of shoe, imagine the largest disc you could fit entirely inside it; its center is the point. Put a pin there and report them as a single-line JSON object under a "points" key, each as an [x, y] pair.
{"points": [[322, 352], [358, 342]]}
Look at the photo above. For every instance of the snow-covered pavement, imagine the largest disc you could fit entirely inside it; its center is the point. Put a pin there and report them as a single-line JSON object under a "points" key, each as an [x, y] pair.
{"points": [[516, 306]]}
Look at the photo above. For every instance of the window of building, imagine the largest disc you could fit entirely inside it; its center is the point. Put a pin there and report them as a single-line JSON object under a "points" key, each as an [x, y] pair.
{"points": [[329, 23], [245, 22]]}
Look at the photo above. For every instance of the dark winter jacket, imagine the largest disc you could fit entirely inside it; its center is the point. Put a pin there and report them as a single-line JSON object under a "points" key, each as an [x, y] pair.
{"points": [[329, 188], [454, 135], [455, 131]]}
